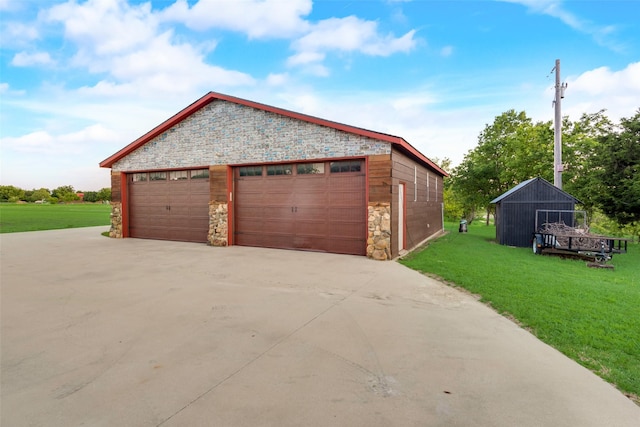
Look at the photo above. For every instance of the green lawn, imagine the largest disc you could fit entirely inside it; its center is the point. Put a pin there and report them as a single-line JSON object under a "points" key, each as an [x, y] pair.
{"points": [[591, 315], [32, 217]]}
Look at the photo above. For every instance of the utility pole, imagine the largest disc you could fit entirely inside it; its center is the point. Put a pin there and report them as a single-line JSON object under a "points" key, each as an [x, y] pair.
{"points": [[557, 140]]}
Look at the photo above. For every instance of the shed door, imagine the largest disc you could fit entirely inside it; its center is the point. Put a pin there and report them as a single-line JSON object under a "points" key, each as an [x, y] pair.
{"points": [[170, 205], [310, 206]]}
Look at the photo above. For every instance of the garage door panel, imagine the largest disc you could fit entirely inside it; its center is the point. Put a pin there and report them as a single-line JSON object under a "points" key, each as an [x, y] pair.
{"points": [[183, 222], [265, 240], [277, 226], [311, 227], [312, 243], [252, 212], [344, 198], [249, 225], [284, 213], [169, 210], [185, 234], [344, 213], [264, 225], [345, 229], [343, 245], [325, 212]]}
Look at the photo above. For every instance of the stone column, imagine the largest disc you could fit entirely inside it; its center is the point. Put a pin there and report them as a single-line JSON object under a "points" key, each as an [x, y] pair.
{"points": [[116, 220], [379, 239], [218, 224]]}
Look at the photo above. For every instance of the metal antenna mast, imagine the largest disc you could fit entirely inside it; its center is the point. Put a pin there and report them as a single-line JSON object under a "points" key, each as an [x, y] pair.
{"points": [[557, 140]]}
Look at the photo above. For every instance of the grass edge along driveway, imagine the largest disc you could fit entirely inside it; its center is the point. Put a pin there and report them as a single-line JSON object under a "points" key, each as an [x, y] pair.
{"points": [[590, 315]]}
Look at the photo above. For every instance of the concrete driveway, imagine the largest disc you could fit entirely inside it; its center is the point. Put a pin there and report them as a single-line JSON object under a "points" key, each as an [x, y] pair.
{"points": [[103, 332]]}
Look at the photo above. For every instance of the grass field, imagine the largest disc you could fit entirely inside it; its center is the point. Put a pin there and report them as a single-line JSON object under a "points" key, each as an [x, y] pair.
{"points": [[32, 217], [590, 315]]}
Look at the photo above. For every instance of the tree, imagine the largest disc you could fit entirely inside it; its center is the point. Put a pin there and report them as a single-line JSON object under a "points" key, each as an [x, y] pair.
{"points": [[65, 193], [509, 151], [580, 141], [90, 196], [40, 194], [616, 172], [9, 193], [104, 194]]}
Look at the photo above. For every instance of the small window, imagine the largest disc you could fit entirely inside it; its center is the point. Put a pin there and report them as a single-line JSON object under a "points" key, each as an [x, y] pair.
{"points": [[310, 168], [279, 170], [177, 175], [346, 166], [138, 177], [157, 176], [200, 174], [250, 171]]}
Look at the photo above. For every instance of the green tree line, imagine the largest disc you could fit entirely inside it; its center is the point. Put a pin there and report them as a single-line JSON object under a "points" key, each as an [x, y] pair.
{"points": [[64, 194], [601, 165]]}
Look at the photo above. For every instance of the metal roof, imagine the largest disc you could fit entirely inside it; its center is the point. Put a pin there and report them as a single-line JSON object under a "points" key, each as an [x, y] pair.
{"points": [[524, 184], [211, 96]]}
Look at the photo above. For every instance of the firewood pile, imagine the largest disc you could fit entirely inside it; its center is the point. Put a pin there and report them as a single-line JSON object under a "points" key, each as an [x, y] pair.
{"points": [[580, 237]]}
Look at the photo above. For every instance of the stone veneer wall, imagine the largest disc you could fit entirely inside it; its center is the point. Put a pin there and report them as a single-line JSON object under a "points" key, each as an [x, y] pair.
{"points": [[379, 239], [223, 133], [218, 224], [116, 220]]}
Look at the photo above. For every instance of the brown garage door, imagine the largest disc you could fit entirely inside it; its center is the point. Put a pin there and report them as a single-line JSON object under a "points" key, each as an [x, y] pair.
{"points": [[312, 206], [171, 205]]}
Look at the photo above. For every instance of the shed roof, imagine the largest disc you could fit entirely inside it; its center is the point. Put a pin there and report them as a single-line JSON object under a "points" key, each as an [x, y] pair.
{"points": [[528, 182], [399, 142]]}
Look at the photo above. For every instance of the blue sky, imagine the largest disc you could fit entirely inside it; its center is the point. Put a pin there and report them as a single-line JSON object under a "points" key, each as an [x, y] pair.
{"points": [[81, 79]]}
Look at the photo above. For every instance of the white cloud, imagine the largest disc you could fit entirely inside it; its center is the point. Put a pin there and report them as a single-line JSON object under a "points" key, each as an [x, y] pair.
{"points": [[24, 59], [601, 34], [446, 51], [275, 79], [124, 43], [303, 58], [105, 27], [412, 101], [616, 91], [352, 34], [64, 144], [18, 34], [9, 5], [169, 67], [256, 18], [44, 158]]}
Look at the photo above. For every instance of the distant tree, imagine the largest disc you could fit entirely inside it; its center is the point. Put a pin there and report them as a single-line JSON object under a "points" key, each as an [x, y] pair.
{"points": [[65, 193], [580, 141], [40, 194], [509, 151], [445, 163], [104, 194], [9, 193], [90, 196], [615, 170], [453, 209]]}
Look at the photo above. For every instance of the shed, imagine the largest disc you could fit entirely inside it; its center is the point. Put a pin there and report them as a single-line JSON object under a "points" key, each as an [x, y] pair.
{"points": [[515, 216], [229, 171]]}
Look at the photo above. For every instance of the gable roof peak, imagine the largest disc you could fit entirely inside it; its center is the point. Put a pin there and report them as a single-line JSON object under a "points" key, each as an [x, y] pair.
{"points": [[212, 96]]}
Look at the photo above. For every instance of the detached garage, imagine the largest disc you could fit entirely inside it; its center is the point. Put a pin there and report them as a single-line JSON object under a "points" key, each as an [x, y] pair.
{"points": [[228, 171]]}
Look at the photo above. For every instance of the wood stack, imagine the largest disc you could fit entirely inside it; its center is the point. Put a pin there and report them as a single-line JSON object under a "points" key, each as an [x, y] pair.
{"points": [[581, 239]]}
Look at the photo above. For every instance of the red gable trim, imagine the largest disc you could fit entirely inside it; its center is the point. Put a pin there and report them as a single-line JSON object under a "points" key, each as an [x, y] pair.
{"points": [[211, 96]]}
